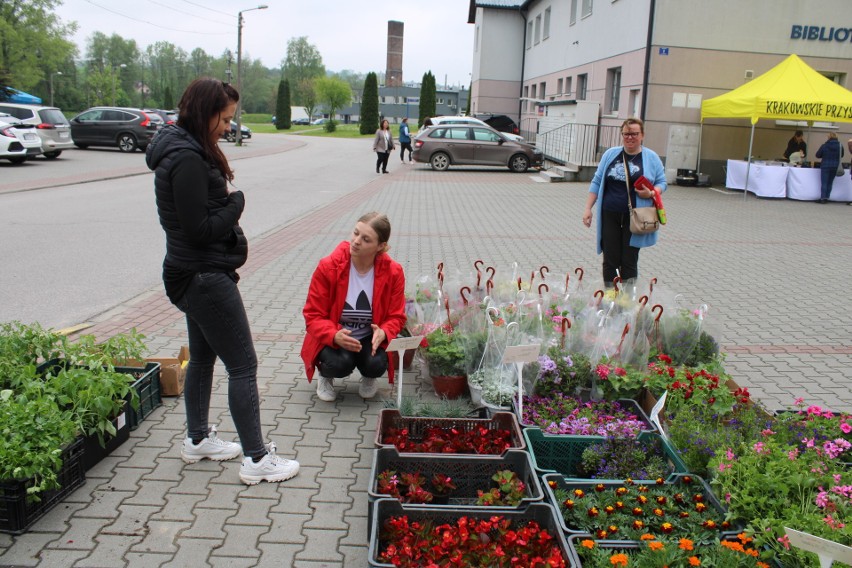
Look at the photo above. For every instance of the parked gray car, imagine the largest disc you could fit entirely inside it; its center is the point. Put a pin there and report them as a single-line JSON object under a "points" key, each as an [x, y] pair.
{"points": [[50, 125], [127, 128], [468, 144]]}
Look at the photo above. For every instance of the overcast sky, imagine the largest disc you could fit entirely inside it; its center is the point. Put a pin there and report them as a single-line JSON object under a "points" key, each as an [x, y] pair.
{"points": [[350, 34]]}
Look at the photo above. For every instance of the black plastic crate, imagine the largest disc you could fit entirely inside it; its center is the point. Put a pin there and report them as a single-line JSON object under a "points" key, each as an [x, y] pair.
{"points": [[18, 513], [147, 385], [545, 515], [94, 452]]}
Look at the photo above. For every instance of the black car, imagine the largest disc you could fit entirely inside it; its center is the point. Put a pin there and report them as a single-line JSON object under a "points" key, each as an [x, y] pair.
{"points": [[231, 135], [127, 128], [499, 122], [301, 121]]}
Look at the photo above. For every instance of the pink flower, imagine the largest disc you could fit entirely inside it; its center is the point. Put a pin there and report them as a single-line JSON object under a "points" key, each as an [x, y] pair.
{"points": [[727, 497], [766, 432], [759, 448], [845, 428], [809, 442], [821, 499], [729, 454], [793, 454], [799, 401], [785, 540]]}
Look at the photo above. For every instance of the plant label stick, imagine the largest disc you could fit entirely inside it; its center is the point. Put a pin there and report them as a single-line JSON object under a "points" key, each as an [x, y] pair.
{"points": [[402, 344]]}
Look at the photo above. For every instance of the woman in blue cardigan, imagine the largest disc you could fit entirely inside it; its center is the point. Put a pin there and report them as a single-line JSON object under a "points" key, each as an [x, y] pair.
{"points": [[619, 246]]}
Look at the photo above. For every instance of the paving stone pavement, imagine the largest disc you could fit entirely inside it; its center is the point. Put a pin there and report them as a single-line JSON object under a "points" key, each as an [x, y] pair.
{"points": [[774, 274]]}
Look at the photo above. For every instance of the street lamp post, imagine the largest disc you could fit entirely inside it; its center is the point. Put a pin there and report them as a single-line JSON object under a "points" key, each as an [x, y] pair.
{"points": [[239, 134], [51, 85], [116, 70]]}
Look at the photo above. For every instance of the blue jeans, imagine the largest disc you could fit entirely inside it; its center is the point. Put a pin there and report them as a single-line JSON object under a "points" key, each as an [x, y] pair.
{"points": [[827, 176], [218, 326]]}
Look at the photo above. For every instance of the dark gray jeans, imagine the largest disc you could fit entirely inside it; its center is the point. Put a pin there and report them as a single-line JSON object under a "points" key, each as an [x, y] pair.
{"points": [[218, 326]]}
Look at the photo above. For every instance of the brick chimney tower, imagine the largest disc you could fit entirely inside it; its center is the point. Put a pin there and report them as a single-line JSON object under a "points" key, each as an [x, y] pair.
{"points": [[393, 73]]}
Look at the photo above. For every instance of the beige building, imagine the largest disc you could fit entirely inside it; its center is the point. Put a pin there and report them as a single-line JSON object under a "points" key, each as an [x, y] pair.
{"points": [[583, 66]]}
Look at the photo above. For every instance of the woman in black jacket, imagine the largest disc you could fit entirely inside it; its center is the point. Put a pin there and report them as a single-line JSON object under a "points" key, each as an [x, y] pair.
{"points": [[205, 246]]}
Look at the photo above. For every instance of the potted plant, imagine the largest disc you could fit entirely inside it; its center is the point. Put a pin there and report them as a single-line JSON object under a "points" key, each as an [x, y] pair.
{"points": [[444, 355]]}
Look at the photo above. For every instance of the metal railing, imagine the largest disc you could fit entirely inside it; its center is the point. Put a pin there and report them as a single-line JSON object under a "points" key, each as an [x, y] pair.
{"points": [[579, 144]]}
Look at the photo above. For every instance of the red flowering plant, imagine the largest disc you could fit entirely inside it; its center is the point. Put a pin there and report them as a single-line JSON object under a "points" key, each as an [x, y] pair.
{"points": [[627, 511], [495, 542], [407, 487], [438, 440], [510, 490], [659, 553]]}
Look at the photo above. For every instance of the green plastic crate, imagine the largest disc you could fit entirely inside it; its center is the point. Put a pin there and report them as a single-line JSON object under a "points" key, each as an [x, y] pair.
{"points": [[563, 454]]}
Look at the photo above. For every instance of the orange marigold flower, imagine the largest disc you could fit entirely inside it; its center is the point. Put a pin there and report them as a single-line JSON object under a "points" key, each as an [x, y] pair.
{"points": [[744, 538], [647, 536], [588, 543], [667, 528], [762, 565], [694, 561], [618, 560], [685, 544], [656, 545]]}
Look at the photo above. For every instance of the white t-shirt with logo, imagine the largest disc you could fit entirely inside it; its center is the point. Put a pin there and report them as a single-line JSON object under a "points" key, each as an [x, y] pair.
{"points": [[357, 314]]}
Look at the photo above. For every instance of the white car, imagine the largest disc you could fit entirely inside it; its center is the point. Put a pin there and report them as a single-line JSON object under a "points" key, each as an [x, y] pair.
{"points": [[436, 120], [17, 141], [50, 125]]}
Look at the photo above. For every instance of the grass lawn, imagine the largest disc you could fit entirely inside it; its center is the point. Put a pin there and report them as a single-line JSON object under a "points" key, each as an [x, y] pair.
{"points": [[343, 130]]}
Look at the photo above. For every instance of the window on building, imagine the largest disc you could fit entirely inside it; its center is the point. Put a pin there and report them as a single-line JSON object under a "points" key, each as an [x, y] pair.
{"points": [[440, 101], [529, 34], [613, 89], [573, 12], [568, 85], [581, 86], [538, 29], [587, 8], [526, 96], [532, 91], [634, 102], [559, 86], [382, 99], [546, 33], [542, 91]]}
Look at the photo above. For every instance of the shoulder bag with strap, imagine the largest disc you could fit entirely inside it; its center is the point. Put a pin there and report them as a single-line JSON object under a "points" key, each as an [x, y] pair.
{"points": [[643, 220]]}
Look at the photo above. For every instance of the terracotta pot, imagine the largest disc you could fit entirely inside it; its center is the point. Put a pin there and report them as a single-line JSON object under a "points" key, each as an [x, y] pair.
{"points": [[449, 387], [407, 360]]}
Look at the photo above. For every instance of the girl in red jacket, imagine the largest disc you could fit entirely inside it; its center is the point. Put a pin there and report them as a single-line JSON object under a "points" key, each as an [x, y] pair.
{"points": [[355, 307]]}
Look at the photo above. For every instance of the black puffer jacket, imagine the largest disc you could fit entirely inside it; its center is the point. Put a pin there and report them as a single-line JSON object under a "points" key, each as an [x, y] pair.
{"points": [[196, 211]]}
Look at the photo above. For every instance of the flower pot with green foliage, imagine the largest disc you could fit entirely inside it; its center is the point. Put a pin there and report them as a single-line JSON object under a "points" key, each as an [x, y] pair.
{"points": [[442, 350]]}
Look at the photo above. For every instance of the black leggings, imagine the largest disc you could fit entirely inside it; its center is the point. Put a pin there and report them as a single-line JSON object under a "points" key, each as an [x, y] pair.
{"points": [[382, 161], [615, 244], [339, 363], [405, 145]]}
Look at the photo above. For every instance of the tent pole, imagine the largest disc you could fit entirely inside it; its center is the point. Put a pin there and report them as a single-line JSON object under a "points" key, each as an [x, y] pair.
{"points": [[700, 133], [748, 168]]}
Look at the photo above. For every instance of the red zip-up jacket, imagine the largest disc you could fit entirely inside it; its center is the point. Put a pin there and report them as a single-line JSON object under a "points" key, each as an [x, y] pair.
{"points": [[327, 295]]}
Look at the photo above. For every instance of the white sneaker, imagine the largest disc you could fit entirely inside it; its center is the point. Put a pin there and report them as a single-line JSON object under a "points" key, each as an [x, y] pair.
{"points": [[210, 448], [368, 388], [325, 389], [271, 468]]}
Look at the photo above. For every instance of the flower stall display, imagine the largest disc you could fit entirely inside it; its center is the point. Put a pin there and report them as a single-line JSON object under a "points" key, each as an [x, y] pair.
{"points": [[683, 507], [435, 537], [560, 414], [562, 372], [652, 552], [793, 478]]}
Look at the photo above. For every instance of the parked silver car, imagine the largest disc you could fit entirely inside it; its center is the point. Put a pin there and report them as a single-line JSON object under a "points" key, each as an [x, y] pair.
{"points": [[50, 124], [470, 144]]}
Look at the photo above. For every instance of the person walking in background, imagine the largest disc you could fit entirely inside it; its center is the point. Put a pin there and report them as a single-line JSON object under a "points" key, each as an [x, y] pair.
{"points": [[205, 246], [404, 140], [427, 122], [796, 144], [383, 146], [829, 154], [355, 307], [619, 246]]}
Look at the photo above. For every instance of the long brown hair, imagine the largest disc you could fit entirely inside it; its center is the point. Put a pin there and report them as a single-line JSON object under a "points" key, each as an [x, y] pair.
{"points": [[203, 99]]}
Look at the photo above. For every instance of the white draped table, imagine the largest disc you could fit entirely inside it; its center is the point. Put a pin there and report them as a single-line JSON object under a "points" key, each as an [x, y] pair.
{"points": [[763, 180], [804, 184]]}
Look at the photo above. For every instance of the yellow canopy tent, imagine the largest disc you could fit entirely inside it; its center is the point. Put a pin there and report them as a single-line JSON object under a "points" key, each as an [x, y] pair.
{"points": [[791, 90]]}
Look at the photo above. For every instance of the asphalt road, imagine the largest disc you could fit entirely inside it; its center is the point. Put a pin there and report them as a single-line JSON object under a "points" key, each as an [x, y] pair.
{"points": [[80, 234]]}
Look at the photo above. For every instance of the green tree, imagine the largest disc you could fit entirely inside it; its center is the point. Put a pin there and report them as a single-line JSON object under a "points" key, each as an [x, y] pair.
{"points": [[427, 97], [335, 94], [467, 106], [309, 94], [168, 98], [302, 64], [370, 105], [33, 43], [282, 108]]}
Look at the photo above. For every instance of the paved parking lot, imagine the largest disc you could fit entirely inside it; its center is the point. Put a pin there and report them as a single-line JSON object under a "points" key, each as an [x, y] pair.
{"points": [[774, 274]]}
